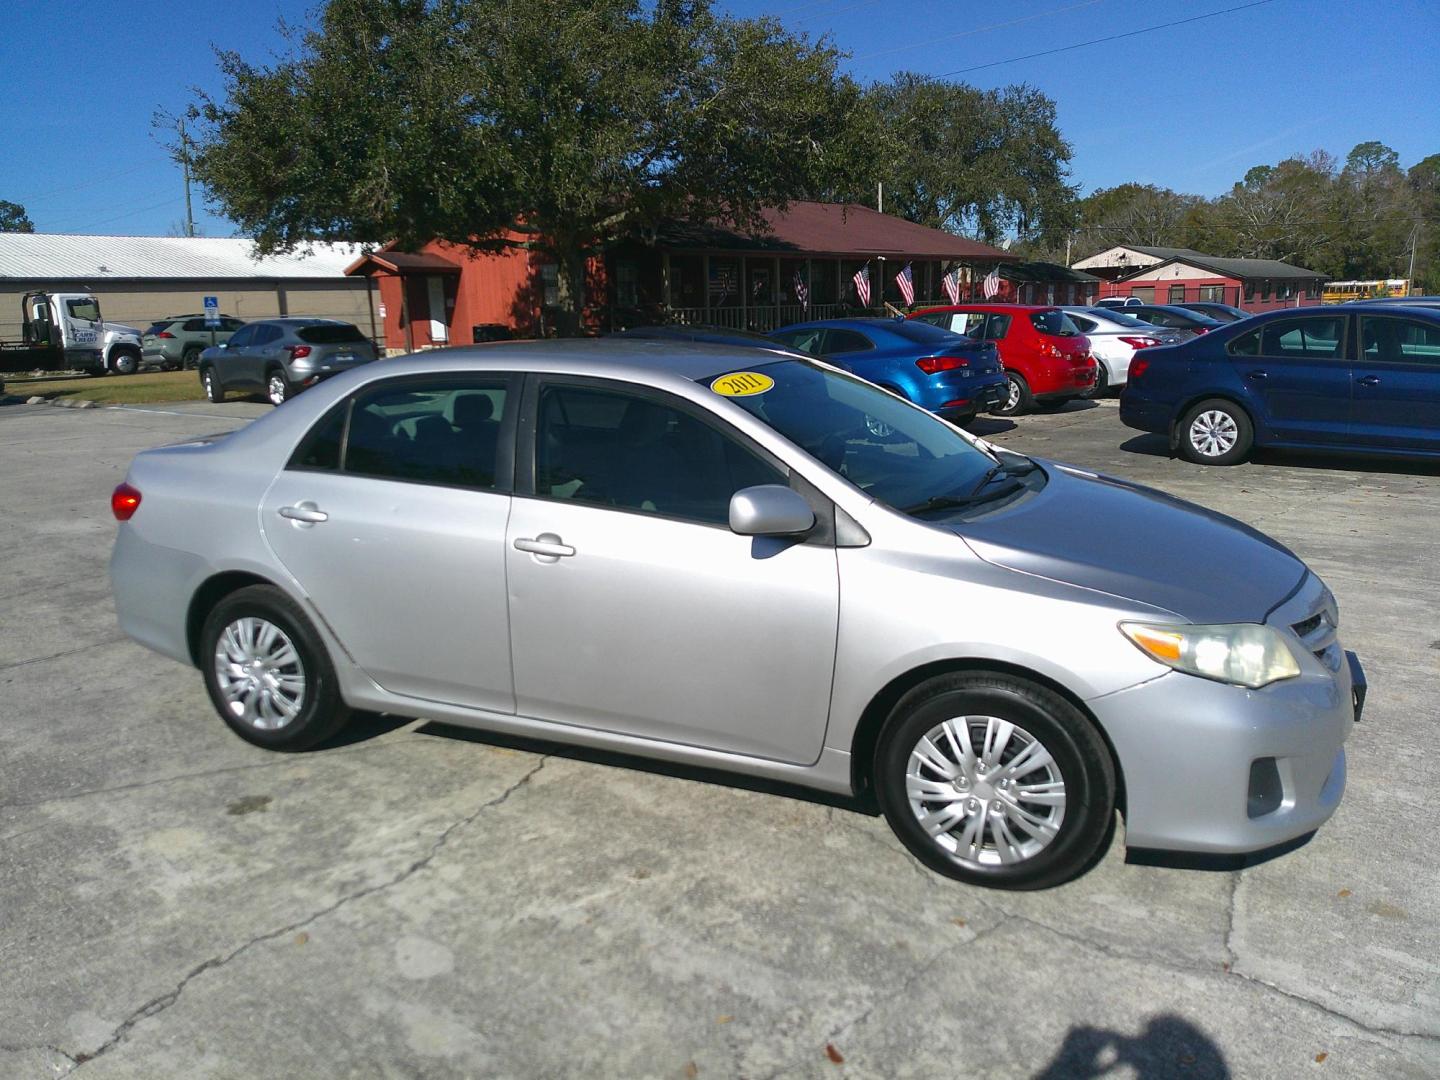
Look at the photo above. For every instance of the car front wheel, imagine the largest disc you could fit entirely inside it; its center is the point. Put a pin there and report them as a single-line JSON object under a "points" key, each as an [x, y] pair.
{"points": [[996, 781], [267, 671], [214, 389], [127, 363], [1216, 432]]}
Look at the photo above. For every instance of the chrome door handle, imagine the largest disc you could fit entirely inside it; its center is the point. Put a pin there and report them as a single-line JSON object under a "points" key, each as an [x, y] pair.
{"points": [[1257, 376], [1369, 380], [544, 544], [305, 512]]}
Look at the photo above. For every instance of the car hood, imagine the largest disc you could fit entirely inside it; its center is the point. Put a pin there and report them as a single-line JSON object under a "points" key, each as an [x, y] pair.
{"points": [[1131, 541]]}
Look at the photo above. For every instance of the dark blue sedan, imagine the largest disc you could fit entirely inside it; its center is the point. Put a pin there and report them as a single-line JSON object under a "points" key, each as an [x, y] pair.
{"points": [[1343, 378], [953, 376]]}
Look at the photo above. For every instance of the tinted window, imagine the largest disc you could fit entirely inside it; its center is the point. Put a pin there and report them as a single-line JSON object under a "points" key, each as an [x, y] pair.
{"points": [[1053, 322], [996, 327], [194, 326], [1400, 341], [845, 341], [615, 449], [1083, 324], [330, 334], [243, 337], [267, 333], [446, 432], [1246, 344], [320, 449], [808, 339], [1313, 338]]}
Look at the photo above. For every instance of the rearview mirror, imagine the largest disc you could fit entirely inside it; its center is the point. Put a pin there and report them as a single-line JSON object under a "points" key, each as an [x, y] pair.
{"points": [[770, 510]]}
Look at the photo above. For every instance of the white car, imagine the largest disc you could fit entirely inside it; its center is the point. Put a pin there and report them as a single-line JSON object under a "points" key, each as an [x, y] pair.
{"points": [[1114, 339]]}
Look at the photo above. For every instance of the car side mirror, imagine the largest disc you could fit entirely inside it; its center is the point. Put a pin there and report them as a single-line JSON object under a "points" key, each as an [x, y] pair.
{"points": [[770, 510]]}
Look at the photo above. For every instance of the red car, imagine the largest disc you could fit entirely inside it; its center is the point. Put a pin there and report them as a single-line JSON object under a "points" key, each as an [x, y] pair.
{"points": [[1047, 359]]}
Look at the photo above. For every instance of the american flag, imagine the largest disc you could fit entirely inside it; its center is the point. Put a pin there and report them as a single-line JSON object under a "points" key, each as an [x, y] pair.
{"points": [[992, 284], [802, 291], [862, 284], [906, 280], [951, 284]]}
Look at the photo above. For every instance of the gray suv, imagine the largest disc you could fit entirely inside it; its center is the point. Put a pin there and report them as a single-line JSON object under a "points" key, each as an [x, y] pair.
{"points": [[282, 357], [177, 341]]}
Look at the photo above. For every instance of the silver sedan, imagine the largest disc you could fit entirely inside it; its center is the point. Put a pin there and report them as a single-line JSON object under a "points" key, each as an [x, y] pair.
{"points": [[749, 560]]}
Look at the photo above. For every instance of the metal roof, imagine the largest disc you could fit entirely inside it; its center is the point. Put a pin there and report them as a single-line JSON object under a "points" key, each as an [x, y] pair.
{"points": [[38, 256], [1246, 269]]}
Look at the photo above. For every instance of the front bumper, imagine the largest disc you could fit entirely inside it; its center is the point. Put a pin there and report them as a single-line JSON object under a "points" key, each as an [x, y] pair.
{"points": [[1221, 769]]}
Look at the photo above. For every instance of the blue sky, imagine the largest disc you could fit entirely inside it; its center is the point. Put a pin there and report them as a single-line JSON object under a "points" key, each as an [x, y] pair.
{"points": [[1190, 107]]}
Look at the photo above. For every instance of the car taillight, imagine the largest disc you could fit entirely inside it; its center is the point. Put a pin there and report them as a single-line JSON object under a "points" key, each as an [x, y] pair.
{"points": [[297, 351], [1140, 342], [1201, 329], [124, 501], [931, 364], [1138, 366], [165, 334]]}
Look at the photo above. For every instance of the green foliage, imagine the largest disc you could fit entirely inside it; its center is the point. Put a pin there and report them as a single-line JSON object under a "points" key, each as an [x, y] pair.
{"points": [[981, 162], [13, 218], [554, 124]]}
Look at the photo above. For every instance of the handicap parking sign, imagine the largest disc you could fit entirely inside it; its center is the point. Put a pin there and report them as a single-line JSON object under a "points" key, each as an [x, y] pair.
{"points": [[212, 311]]}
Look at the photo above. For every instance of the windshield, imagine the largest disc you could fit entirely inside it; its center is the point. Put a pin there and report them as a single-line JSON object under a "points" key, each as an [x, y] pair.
{"points": [[891, 450]]}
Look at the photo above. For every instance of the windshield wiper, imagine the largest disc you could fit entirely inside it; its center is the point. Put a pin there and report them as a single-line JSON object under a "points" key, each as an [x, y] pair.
{"points": [[955, 502]]}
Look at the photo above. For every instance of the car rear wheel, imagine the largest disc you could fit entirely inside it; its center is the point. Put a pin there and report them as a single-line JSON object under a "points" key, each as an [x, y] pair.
{"points": [[996, 781], [1018, 398], [267, 671], [1102, 383], [214, 389], [277, 387], [1216, 432]]}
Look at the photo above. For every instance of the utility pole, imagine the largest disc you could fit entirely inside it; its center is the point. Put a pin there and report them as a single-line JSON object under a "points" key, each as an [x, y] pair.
{"points": [[185, 164], [880, 195], [1414, 242]]}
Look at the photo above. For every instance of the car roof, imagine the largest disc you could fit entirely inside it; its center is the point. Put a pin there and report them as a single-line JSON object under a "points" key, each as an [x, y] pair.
{"points": [[1428, 311], [984, 306], [855, 323]]}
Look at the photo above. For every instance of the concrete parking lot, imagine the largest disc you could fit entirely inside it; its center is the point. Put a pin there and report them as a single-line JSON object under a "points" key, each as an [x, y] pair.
{"points": [[418, 902]]}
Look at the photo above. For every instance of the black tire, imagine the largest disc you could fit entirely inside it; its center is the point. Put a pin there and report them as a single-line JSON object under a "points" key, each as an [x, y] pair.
{"points": [[214, 388], [126, 363], [1019, 399], [1078, 754], [1102, 382], [277, 387], [190, 358], [1216, 432], [322, 712]]}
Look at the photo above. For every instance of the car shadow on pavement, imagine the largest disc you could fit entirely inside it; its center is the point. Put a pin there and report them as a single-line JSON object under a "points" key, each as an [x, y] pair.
{"points": [[1169, 1046], [649, 765], [1153, 445], [364, 726]]}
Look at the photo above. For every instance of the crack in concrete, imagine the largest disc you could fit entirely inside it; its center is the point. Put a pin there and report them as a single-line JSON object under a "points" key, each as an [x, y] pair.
{"points": [[1229, 931], [10, 1048], [157, 1005], [67, 652]]}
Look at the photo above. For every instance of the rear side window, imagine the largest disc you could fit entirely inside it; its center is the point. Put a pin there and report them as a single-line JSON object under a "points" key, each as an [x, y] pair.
{"points": [[445, 432], [1313, 338], [1246, 344], [1056, 323], [1083, 324], [845, 341], [1400, 341], [266, 333], [996, 327], [329, 334], [243, 337], [195, 326], [808, 339], [320, 449]]}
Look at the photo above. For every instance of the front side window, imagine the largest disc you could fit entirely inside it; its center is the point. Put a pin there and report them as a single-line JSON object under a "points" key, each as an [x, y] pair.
{"points": [[437, 432], [243, 337], [84, 308], [1313, 338], [635, 452], [1400, 341], [897, 453]]}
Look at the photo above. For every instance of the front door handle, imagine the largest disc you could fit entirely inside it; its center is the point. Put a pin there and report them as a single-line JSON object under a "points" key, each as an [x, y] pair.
{"points": [[305, 513], [1257, 375], [546, 544], [1369, 380]]}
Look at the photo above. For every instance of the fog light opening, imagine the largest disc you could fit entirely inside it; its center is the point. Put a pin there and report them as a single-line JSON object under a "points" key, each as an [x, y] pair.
{"points": [[1266, 791]]}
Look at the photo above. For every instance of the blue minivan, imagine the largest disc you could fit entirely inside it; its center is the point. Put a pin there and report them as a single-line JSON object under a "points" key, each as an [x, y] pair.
{"points": [[954, 376], [1358, 377]]}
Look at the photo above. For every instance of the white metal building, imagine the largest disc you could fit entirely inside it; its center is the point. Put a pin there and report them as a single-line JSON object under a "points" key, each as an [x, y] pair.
{"points": [[139, 279]]}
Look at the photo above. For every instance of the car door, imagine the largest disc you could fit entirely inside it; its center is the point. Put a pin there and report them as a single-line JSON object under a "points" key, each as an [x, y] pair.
{"points": [[1297, 371], [1396, 384], [391, 515], [264, 352], [230, 363], [633, 607]]}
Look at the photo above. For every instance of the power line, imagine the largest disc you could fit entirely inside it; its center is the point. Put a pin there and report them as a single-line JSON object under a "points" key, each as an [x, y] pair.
{"points": [[131, 213], [976, 30], [1102, 40]]}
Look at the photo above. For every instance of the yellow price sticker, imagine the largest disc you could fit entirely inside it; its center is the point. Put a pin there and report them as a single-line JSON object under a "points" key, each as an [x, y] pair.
{"points": [[742, 384]]}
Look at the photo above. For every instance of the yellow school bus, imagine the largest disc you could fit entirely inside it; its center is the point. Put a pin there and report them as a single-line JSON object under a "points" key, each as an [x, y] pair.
{"points": [[1337, 292]]}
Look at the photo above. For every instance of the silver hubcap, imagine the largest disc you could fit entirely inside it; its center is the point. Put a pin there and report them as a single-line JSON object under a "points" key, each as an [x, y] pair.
{"points": [[1213, 433], [985, 790], [1013, 398], [209, 383], [277, 389], [259, 674]]}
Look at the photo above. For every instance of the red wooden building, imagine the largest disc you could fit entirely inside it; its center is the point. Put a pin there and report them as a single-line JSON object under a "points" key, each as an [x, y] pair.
{"points": [[1159, 275], [687, 272]]}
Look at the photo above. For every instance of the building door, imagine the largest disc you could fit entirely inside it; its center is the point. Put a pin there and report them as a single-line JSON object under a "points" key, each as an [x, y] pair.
{"points": [[439, 324]]}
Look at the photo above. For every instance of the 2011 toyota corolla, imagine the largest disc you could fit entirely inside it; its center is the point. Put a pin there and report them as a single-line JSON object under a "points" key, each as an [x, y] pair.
{"points": [[753, 561]]}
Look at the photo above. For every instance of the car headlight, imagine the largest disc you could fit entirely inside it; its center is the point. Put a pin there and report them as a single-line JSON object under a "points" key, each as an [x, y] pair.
{"points": [[1242, 654]]}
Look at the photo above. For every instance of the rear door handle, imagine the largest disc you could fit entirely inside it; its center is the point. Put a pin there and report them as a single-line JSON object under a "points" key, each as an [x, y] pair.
{"points": [[307, 513], [1369, 380], [545, 544], [1257, 375]]}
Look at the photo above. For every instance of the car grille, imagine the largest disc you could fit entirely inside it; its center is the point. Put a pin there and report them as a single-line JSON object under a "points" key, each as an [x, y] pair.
{"points": [[1318, 634]]}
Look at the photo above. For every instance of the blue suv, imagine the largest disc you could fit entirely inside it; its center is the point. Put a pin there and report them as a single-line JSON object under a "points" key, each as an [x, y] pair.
{"points": [[1362, 377], [951, 375]]}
